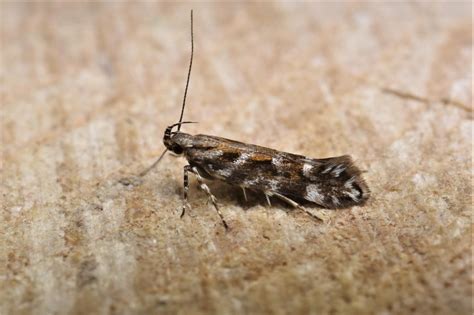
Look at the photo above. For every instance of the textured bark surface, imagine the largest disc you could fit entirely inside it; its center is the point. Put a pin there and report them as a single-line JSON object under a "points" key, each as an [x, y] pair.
{"points": [[87, 91]]}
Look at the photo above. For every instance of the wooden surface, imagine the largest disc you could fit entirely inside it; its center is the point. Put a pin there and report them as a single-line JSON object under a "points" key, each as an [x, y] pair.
{"points": [[87, 90]]}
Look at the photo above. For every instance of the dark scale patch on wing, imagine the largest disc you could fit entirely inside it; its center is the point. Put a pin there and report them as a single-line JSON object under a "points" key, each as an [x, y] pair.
{"points": [[254, 172], [229, 157], [214, 162]]}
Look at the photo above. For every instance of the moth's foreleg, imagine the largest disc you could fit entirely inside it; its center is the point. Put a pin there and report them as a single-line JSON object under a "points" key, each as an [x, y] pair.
{"points": [[211, 197], [267, 196], [187, 169], [245, 194], [296, 205]]}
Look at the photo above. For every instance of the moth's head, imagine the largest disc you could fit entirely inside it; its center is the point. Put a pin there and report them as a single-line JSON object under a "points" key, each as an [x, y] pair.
{"points": [[169, 140], [176, 141]]}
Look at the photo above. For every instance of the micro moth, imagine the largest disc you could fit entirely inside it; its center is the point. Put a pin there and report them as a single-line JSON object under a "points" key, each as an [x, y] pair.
{"points": [[332, 183]]}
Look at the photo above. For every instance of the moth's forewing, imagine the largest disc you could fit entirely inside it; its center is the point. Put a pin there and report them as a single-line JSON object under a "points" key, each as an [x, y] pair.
{"points": [[332, 182]]}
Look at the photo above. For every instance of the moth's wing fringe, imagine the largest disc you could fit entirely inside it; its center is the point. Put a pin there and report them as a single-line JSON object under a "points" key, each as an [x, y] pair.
{"points": [[353, 170], [338, 183]]}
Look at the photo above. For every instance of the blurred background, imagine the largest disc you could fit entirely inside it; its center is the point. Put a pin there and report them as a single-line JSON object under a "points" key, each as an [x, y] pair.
{"points": [[87, 90]]}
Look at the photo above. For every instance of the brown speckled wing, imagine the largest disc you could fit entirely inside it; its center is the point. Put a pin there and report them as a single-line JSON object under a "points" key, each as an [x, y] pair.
{"points": [[332, 182]]}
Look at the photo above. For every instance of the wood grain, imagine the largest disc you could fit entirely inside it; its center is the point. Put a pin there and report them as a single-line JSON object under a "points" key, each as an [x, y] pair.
{"points": [[88, 89]]}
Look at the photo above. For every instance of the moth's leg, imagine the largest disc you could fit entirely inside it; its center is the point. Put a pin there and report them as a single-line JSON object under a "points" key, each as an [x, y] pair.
{"points": [[245, 194], [267, 195], [297, 205], [212, 198], [187, 169]]}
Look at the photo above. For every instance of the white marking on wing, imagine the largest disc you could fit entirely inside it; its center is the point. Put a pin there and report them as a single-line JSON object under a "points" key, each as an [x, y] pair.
{"points": [[274, 185], [242, 159], [307, 169], [214, 153], [224, 172], [251, 182], [338, 170], [353, 194], [327, 169], [277, 160], [348, 184], [314, 194]]}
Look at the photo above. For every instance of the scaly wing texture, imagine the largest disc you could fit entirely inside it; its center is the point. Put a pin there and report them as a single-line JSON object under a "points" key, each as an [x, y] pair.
{"points": [[333, 182]]}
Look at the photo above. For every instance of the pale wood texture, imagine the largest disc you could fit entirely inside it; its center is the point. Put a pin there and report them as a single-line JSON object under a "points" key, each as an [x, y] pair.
{"points": [[87, 90]]}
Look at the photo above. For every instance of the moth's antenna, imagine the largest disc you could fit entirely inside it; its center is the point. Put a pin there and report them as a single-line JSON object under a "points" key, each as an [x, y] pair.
{"points": [[189, 73], [184, 102], [154, 164]]}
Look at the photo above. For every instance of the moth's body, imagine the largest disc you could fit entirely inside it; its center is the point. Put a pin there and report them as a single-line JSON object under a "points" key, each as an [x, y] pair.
{"points": [[332, 183]]}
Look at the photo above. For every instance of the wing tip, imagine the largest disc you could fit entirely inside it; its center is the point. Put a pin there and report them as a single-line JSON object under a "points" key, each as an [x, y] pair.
{"points": [[341, 184]]}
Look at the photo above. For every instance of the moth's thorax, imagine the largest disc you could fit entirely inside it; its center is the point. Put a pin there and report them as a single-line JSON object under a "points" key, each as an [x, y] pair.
{"points": [[182, 139]]}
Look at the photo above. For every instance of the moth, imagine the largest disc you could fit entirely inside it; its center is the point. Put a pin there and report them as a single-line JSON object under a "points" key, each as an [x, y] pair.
{"points": [[333, 182]]}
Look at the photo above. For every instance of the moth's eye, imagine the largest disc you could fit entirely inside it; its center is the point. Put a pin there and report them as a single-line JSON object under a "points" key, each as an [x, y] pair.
{"points": [[177, 149]]}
